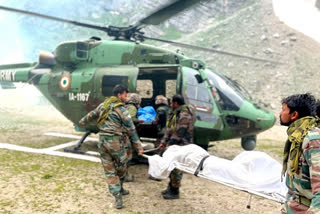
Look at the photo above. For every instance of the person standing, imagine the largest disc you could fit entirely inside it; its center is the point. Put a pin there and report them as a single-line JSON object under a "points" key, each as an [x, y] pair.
{"points": [[114, 123], [179, 131], [301, 162], [162, 109], [132, 104]]}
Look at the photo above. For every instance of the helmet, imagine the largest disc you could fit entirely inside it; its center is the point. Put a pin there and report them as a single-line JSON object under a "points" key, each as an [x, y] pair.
{"points": [[160, 99], [133, 98]]}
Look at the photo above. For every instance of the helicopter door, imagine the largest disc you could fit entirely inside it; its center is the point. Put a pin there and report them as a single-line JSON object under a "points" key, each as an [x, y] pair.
{"points": [[201, 97]]}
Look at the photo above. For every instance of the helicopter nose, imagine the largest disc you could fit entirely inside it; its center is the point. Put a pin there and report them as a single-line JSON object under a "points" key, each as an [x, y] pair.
{"points": [[267, 120]]}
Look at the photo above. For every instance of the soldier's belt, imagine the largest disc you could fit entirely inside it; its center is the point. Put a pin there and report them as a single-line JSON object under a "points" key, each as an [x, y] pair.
{"points": [[303, 200]]}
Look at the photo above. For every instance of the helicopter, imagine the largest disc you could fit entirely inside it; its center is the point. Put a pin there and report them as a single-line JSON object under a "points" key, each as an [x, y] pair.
{"points": [[78, 75]]}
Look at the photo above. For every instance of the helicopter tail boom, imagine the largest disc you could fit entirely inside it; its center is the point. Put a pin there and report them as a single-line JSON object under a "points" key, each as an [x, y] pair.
{"points": [[20, 72]]}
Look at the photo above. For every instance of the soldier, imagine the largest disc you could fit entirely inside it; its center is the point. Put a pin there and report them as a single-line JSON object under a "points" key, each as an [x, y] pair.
{"points": [[162, 114], [179, 131], [114, 123], [301, 161], [132, 104]]}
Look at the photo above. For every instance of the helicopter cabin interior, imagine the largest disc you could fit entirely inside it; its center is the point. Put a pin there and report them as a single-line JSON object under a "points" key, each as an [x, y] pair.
{"points": [[153, 81]]}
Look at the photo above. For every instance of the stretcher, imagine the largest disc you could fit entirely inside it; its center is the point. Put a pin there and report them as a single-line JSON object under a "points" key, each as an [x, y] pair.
{"points": [[253, 172]]}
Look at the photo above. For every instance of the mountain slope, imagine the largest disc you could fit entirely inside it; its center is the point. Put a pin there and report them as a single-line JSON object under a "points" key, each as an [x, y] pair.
{"points": [[255, 30]]}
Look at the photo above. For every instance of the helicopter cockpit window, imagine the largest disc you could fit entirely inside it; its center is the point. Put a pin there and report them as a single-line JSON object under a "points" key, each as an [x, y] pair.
{"points": [[197, 93], [230, 98], [145, 88]]}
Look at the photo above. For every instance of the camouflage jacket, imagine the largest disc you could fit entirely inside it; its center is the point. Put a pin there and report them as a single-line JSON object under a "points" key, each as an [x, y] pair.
{"points": [[304, 186], [132, 109], [119, 122], [161, 119], [182, 134]]}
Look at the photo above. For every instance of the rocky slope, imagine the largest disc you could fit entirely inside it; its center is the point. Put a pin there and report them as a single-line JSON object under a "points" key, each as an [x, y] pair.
{"points": [[256, 31]]}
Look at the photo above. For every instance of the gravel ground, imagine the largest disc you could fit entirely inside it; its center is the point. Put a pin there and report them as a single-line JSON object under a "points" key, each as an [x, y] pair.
{"points": [[31, 183]]}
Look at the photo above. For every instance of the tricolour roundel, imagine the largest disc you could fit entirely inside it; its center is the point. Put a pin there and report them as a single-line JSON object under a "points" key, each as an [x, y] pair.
{"points": [[65, 82]]}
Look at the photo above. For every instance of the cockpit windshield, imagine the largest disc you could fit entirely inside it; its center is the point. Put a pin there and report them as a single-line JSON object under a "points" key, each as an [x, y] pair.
{"points": [[229, 95]]}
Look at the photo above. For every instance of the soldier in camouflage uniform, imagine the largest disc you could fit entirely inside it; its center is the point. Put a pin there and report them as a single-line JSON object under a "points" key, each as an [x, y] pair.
{"points": [[115, 124], [162, 115], [179, 131], [132, 104], [301, 162]]}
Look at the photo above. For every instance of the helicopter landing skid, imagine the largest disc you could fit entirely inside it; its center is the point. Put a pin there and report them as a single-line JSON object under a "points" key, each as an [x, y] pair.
{"points": [[77, 149]]}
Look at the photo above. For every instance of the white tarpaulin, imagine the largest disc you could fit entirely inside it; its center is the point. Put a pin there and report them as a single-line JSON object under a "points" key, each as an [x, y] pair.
{"points": [[251, 171]]}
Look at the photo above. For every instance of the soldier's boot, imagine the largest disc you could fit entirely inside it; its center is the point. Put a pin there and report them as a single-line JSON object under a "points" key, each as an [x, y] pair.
{"points": [[124, 191], [167, 189], [172, 193], [118, 198]]}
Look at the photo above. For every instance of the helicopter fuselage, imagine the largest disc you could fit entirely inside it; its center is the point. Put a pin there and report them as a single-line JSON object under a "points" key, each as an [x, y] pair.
{"points": [[79, 75]]}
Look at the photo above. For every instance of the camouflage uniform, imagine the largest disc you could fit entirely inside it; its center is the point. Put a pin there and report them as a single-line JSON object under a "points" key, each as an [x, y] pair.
{"points": [[113, 132], [304, 185], [161, 121], [132, 105], [180, 134], [162, 115]]}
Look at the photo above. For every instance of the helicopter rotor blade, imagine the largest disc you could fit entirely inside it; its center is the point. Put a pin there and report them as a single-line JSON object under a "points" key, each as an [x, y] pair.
{"points": [[97, 27], [166, 12], [184, 45]]}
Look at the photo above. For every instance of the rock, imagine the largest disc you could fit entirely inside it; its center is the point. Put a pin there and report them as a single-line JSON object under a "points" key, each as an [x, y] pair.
{"points": [[293, 38], [263, 38], [230, 64], [276, 35], [268, 51]]}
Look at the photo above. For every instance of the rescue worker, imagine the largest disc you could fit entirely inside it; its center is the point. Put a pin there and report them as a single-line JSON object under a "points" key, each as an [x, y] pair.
{"points": [[301, 162], [114, 123], [162, 109], [179, 131], [132, 104]]}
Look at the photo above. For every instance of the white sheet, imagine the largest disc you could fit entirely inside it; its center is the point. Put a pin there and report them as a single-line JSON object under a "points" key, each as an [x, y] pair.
{"points": [[250, 170]]}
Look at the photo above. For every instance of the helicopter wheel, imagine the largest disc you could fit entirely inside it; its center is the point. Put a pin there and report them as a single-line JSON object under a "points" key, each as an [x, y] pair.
{"points": [[249, 143]]}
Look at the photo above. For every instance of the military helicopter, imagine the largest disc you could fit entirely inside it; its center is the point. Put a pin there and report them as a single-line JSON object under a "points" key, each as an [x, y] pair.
{"points": [[78, 75]]}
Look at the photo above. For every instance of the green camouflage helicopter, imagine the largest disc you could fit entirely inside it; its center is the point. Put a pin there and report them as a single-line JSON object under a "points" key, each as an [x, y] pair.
{"points": [[78, 75]]}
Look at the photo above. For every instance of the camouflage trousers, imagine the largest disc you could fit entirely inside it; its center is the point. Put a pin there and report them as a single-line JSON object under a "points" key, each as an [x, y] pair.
{"points": [[114, 161], [175, 178], [292, 206]]}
